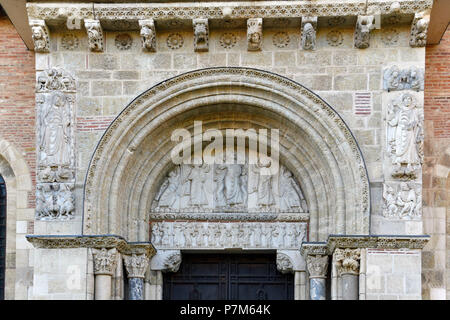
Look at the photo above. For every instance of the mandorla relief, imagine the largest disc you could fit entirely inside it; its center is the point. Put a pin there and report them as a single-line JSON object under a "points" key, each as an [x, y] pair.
{"points": [[405, 136], [228, 188], [402, 201], [55, 96], [228, 235]]}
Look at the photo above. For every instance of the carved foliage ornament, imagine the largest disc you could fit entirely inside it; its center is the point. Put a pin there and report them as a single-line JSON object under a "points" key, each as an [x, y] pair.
{"points": [[95, 34], [364, 25], [402, 201], [227, 40], [40, 36], [136, 265], [405, 135], [104, 261], [347, 260], [70, 41], [201, 35], [317, 266], [281, 39], [309, 26], [284, 263], [419, 30], [254, 34], [148, 35], [172, 262], [123, 41]]}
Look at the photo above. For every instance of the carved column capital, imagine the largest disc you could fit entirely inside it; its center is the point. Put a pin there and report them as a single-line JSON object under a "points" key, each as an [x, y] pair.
{"points": [[104, 261], [309, 29], [95, 34], [40, 36], [148, 34], [317, 266], [201, 34], [347, 260], [254, 34], [364, 25], [136, 265]]}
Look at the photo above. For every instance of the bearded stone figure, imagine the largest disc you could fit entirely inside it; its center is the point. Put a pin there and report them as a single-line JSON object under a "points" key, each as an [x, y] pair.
{"points": [[39, 38], [198, 177], [403, 130], [55, 138]]}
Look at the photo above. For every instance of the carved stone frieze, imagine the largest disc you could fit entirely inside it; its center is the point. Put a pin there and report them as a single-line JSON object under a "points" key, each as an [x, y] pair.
{"points": [[104, 261], [180, 235], [231, 188], [40, 36], [206, 215], [309, 29], [148, 34], [347, 260], [317, 266], [419, 30], [201, 35], [364, 25], [411, 78], [402, 201], [136, 265], [254, 34], [95, 34], [404, 136]]}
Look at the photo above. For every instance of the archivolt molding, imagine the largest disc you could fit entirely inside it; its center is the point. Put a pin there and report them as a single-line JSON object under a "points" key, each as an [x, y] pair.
{"points": [[316, 146], [17, 164]]}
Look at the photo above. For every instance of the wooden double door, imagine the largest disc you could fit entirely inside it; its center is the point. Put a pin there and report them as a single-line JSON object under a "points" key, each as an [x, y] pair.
{"points": [[228, 277]]}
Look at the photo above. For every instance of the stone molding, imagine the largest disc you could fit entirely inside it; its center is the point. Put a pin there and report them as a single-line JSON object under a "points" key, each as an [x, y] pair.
{"points": [[136, 265], [347, 260], [40, 35], [94, 241], [213, 10], [376, 242], [227, 216], [105, 261], [314, 248], [317, 266]]}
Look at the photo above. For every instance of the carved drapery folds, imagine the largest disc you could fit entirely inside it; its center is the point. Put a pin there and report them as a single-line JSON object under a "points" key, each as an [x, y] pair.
{"points": [[187, 235], [148, 35], [419, 29], [228, 188], [347, 260], [405, 135], [40, 36], [136, 265], [317, 266], [95, 35], [364, 25], [201, 34], [254, 34], [402, 201], [411, 78], [104, 261], [55, 97], [309, 28]]}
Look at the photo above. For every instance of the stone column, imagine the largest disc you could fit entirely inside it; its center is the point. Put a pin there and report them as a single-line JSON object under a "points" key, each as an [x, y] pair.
{"points": [[317, 268], [347, 263], [300, 285], [136, 265], [104, 265]]}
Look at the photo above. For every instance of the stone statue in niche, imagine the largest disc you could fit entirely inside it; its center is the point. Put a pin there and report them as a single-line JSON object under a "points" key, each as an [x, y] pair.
{"points": [[404, 135], [402, 202], [54, 142], [308, 39]]}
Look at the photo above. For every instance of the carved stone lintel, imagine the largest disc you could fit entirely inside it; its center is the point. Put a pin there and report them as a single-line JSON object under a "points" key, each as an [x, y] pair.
{"points": [[284, 263], [309, 29], [364, 25], [347, 260], [148, 35], [40, 36], [201, 35], [95, 34], [317, 266], [136, 265], [104, 261], [254, 34], [419, 30]]}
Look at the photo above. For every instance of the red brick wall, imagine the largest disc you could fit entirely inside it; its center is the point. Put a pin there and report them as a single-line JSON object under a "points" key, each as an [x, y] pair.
{"points": [[17, 101], [436, 182]]}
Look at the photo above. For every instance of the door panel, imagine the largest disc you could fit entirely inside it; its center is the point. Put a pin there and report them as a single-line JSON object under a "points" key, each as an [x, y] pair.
{"points": [[228, 276]]}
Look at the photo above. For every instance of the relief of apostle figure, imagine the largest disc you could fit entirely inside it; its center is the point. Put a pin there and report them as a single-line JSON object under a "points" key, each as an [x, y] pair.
{"points": [[198, 177], [406, 200], [291, 196], [55, 137], [404, 127], [233, 189], [263, 185], [168, 193]]}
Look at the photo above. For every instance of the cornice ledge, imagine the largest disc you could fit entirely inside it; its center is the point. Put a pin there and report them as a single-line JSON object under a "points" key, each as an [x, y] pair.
{"points": [[314, 248], [377, 241], [91, 241]]}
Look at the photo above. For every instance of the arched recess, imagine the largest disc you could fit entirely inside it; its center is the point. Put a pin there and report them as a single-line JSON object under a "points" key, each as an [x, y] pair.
{"points": [[133, 156], [15, 172]]}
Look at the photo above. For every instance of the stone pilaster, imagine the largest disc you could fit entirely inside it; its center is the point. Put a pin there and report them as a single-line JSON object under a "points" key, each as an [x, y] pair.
{"points": [[136, 266], [104, 265]]}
